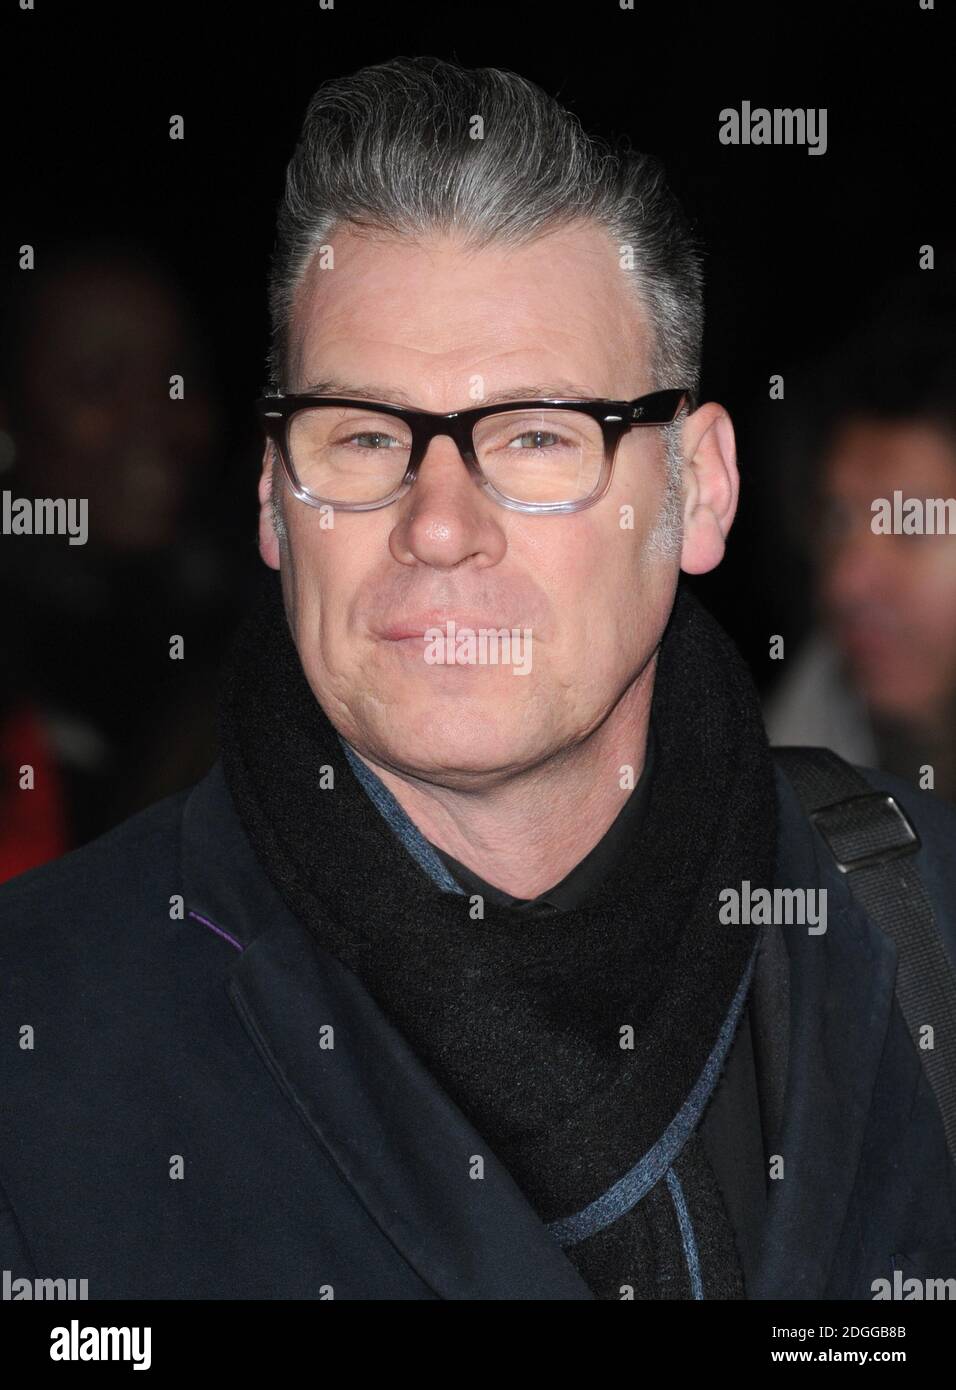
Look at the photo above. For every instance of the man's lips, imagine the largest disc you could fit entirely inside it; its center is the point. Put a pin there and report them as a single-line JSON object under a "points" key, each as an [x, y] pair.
{"points": [[405, 628]]}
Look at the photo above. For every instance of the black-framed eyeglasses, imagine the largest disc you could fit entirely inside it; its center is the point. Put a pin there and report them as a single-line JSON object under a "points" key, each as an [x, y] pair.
{"points": [[355, 455]]}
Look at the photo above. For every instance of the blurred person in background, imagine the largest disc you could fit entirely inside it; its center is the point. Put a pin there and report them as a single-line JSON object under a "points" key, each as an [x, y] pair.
{"points": [[92, 338], [876, 678]]}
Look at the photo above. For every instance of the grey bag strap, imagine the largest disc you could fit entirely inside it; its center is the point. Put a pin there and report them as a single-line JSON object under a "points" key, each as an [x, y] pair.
{"points": [[873, 843]]}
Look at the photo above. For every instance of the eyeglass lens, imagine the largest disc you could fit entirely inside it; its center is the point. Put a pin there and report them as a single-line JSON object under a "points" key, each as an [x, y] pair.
{"points": [[346, 454]]}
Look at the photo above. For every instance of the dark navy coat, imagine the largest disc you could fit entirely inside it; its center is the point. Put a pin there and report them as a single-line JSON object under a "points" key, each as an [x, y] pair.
{"points": [[310, 1172]]}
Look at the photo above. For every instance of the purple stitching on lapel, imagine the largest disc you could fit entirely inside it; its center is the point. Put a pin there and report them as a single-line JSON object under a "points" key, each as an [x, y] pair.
{"points": [[218, 930]]}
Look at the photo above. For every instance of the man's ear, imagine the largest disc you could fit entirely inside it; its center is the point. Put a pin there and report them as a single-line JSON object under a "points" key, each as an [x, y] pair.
{"points": [[711, 487], [269, 547]]}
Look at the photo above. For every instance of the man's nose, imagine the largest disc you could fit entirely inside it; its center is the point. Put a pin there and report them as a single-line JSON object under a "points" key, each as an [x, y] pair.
{"points": [[446, 517]]}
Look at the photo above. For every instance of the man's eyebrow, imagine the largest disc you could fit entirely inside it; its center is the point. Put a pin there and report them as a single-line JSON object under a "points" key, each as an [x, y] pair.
{"points": [[392, 395]]}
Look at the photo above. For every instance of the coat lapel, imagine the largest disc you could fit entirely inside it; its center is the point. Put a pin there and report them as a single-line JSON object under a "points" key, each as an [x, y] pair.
{"points": [[396, 1138], [841, 997]]}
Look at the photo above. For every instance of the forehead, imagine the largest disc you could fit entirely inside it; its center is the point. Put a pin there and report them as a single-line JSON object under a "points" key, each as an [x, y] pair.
{"points": [[559, 307]]}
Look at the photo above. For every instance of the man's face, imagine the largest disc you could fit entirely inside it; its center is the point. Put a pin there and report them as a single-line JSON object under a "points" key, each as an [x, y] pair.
{"points": [[431, 321], [890, 600]]}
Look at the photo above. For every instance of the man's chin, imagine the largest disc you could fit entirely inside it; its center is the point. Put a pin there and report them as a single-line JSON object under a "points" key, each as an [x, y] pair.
{"points": [[445, 744]]}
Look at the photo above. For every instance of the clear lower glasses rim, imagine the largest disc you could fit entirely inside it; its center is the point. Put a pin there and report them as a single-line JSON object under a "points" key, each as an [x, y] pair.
{"points": [[511, 503]]}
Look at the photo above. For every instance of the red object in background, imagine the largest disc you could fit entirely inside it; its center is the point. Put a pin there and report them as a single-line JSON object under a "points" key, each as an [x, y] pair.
{"points": [[32, 823]]}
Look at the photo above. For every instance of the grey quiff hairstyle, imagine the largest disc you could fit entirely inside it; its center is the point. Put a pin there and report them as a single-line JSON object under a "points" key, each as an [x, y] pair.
{"points": [[391, 149]]}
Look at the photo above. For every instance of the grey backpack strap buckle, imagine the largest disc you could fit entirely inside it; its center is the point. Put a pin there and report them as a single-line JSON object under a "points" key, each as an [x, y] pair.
{"points": [[861, 831], [869, 836]]}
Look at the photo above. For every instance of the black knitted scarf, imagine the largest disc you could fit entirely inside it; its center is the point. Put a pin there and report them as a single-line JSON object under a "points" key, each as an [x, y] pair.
{"points": [[520, 1019]]}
